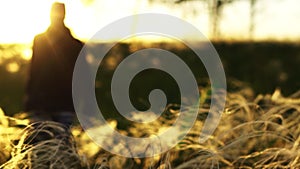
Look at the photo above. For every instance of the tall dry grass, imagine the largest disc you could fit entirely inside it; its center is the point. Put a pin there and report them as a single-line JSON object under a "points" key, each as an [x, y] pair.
{"points": [[254, 132]]}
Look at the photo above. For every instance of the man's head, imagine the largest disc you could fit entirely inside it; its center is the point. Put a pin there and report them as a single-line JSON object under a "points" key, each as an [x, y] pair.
{"points": [[57, 13]]}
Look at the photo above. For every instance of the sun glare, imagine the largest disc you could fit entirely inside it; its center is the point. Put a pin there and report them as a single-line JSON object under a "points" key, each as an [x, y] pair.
{"points": [[23, 19], [27, 54]]}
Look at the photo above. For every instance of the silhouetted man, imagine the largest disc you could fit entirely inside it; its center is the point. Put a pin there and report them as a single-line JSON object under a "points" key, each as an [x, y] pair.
{"points": [[49, 89]]}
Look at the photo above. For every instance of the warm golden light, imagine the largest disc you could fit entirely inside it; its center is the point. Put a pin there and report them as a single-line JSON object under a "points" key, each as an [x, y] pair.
{"points": [[22, 20], [13, 67], [27, 54]]}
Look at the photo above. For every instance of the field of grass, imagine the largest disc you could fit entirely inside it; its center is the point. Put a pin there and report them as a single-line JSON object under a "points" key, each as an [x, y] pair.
{"points": [[264, 66], [254, 132], [259, 126]]}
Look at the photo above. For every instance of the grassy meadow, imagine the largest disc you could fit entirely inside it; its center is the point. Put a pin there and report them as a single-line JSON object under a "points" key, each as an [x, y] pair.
{"points": [[259, 127]]}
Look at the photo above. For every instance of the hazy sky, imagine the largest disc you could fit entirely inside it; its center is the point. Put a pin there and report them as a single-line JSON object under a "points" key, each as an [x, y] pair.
{"points": [[22, 19]]}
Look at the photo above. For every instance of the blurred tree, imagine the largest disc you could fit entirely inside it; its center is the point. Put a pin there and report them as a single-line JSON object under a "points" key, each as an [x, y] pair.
{"points": [[215, 12], [252, 18], [215, 8]]}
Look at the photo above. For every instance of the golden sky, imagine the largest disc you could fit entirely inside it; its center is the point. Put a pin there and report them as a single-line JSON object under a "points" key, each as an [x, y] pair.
{"points": [[21, 20]]}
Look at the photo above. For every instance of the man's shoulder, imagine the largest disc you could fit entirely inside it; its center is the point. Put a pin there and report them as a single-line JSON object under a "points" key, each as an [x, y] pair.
{"points": [[77, 42], [40, 36]]}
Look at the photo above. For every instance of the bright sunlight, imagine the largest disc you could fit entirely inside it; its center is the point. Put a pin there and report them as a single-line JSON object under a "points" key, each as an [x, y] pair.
{"points": [[22, 20]]}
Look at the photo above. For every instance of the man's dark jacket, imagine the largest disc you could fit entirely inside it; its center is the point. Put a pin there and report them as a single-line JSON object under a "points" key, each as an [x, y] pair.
{"points": [[49, 87]]}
